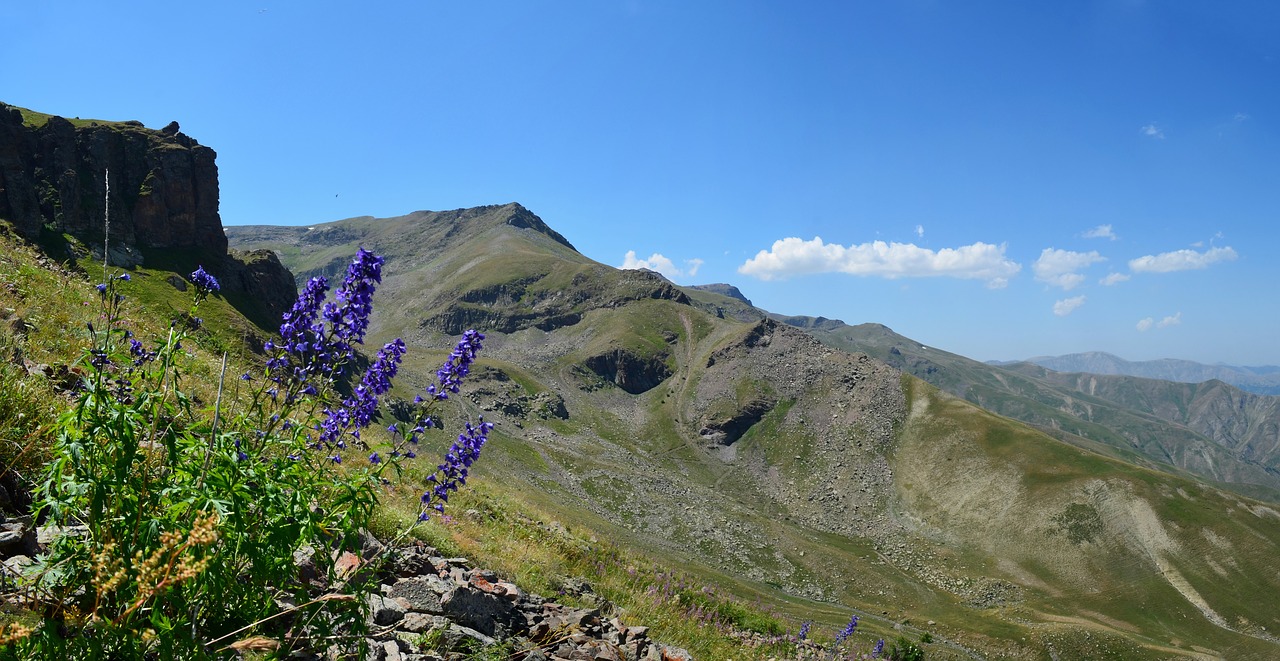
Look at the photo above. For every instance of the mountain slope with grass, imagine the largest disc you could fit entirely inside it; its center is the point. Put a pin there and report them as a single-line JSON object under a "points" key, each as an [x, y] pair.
{"points": [[681, 423], [1155, 425]]}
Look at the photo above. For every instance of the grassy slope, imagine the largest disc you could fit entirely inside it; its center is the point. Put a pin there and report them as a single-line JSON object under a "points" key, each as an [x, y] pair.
{"points": [[1097, 423], [1151, 548], [37, 119], [54, 304], [633, 469]]}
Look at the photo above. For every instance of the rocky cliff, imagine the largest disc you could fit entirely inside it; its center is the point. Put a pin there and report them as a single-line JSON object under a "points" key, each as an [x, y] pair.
{"points": [[164, 184], [162, 200]]}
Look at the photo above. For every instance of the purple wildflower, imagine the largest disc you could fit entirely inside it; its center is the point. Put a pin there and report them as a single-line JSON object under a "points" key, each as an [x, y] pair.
{"points": [[123, 276], [456, 366], [453, 472], [804, 630], [846, 631], [357, 411], [204, 282], [349, 316], [879, 649]]}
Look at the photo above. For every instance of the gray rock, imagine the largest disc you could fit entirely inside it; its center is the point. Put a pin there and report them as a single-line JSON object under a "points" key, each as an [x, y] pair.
{"points": [[479, 610], [384, 611], [423, 593], [416, 622], [457, 633]]}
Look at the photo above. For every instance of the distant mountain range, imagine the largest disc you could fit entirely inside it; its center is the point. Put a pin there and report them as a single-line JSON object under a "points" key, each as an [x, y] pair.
{"points": [[1263, 380]]}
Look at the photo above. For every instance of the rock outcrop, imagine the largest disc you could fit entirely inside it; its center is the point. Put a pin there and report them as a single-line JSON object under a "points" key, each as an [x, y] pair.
{"points": [[162, 200], [164, 184], [430, 608]]}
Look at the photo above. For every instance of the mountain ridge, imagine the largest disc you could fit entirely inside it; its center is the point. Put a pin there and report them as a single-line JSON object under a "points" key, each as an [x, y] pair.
{"points": [[698, 427], [1263, 380]]}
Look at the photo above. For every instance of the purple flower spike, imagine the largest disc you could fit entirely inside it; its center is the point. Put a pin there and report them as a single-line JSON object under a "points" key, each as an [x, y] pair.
{"points": [[350, 316], [203, 281], [846, 632], [458, 365], [453, 472]]}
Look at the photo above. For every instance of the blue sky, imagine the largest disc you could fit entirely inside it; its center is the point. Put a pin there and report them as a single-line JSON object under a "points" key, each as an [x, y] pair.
{"points": [[998, 179]]}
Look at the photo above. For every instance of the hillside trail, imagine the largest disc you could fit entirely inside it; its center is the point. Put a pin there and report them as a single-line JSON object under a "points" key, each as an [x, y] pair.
{"points": [[686, 379]]}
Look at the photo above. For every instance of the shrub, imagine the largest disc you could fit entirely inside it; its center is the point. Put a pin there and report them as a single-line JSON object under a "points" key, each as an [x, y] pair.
{"points": [[184, 528]]}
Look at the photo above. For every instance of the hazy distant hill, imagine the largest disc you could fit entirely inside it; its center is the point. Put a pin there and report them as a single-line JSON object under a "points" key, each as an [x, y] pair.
{"points": [[686, 423], [1263, 380]]}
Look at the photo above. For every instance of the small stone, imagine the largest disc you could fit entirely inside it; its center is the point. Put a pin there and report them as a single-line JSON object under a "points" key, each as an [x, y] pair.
{"points": [[384, 611], [415, 622]]}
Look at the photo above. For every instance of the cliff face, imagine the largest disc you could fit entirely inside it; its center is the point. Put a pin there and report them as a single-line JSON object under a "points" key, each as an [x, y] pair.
{"points": [[163, 200], [164, 184]]}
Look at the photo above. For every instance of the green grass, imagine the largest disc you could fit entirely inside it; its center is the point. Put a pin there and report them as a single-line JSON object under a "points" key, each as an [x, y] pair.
{"points": [[33, 119]]}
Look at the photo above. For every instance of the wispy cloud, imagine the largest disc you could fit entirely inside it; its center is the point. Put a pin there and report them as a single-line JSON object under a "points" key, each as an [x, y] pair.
{"points": [[1100, 232], [920, 231], [793, 256], [1059, 267], [1148, 323], [1153, 131], [1067, 305], [661, 264], [1114, 278], [1181, 260], [1241, 117]]}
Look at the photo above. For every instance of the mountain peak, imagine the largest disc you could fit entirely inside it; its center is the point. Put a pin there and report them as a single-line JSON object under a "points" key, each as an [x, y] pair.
{"points": [[519, 216], [723, 289]]}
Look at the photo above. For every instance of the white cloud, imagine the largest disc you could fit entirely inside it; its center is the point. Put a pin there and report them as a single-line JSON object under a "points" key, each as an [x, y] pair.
{"points": [[1149, 322], [1058, 267], [1100, 232], [1153, 131], [920, 231], [661, 264], [793, 256], [1114, 278], [1180, 260], [1240, 117], [655, 262], [1067, 305]]}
